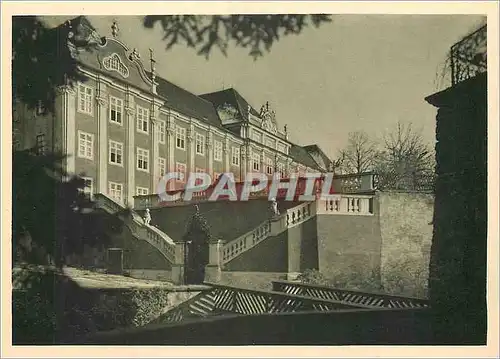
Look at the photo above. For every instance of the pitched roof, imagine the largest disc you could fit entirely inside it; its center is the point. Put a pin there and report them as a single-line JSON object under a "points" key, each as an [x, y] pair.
{"points": [[187, 102], [232, 97], [300, 154], [315, 149]]}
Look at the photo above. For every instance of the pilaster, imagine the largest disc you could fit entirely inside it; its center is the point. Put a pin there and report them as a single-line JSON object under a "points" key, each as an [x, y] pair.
{"points": [[68, 126], [227, 154], [170, 165], [102, 138], [190, 149], [210, 153], [131, 128]]}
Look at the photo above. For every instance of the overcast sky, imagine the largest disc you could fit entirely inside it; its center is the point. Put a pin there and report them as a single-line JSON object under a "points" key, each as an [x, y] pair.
{"points": [[360, 72]]}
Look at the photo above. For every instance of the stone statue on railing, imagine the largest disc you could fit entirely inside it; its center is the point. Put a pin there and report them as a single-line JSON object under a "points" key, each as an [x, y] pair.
{"points": [[274, 207], [147, 217]]}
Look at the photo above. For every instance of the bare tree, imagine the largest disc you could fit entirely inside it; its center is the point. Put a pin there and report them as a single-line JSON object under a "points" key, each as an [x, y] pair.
{"points": [[359, 154], [406, 162]]}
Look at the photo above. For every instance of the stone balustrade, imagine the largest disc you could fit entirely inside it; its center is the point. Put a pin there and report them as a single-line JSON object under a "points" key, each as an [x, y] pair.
{"points": [[346, 204]]}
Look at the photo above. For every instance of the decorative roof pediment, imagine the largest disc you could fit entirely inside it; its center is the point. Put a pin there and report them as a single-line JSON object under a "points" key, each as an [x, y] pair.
{"points": [[268, 117]]}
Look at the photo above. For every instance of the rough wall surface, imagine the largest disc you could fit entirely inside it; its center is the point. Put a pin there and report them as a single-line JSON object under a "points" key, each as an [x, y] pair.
{"points": [[303, 246], [251, 280], [406, 230]]}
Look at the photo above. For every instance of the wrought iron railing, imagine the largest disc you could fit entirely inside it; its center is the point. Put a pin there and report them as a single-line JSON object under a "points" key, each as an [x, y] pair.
{"points": [[469, 56], [353, 297]]}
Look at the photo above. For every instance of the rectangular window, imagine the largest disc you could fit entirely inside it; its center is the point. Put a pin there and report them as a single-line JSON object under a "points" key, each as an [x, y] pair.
{"points": [[115, 191], [235, 156], [180, 137], [269, 166], [85, 99], [181, 167], [88, 189], [116, 153], [198, 180], [256, 136], [281, 169], [162, 167], [40, 145], [161, 131], [142, 119], [115, 110], [256, 162], [281, 148], [142, 159], [141, 191], [85, 145], [200, 144], [217, 151]]}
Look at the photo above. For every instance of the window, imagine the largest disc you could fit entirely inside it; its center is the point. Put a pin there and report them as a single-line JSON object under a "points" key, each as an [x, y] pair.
{"points": [[200, 144], [85, 145], [142, 119], [141, 191], [115, 191], [180, 137], [142, 159], [281, 169], [235, 157], [115, 110], [269, 166], [198, 180], [256, 162], [161, 131], [281, 148], [85, 97], [162, 167], [181, 167], [40, 145], [40, 108], [88, 188], [256, 136], [116, 153], [218, 151]]}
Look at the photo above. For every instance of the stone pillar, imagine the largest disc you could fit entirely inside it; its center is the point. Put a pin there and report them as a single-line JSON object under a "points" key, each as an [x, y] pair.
{"points": [[190, 150], [67, 142], [155, 149], [102, 139], [210, 153], [178, 267], [170, 165], [130, 148], [227, 154], [213, 270]]}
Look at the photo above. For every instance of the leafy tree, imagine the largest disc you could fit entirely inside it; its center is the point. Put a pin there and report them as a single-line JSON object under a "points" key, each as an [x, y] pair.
{"points": [[256, 32]]}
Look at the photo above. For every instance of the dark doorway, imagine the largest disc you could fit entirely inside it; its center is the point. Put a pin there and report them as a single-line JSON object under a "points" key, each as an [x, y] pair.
{"points": [[196, 250]]}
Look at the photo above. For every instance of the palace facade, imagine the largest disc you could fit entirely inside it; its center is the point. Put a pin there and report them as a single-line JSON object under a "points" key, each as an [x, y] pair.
{"points": [[124, 127]]}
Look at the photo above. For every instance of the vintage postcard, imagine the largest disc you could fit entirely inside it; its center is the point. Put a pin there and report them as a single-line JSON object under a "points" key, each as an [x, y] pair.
{"points": [[241, 178]]}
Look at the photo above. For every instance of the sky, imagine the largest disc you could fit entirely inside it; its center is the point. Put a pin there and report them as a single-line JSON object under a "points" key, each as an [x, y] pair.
{"points": [[359, 72]]}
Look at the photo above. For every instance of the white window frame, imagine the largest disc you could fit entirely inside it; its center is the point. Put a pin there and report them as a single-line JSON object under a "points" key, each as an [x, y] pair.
{"points": [[85, 155], [180, 136], [281, 169], [141, 191], [235, 155], [269, 166], [178, 166], [116, 104], [118, 146], [88, 190], [217, 151], [162, 131], [111, 191], [256, 162], [142, 117], [270, 142], [162, 166], [281, 147], [85, 93], [142, 154], [200, 144]]}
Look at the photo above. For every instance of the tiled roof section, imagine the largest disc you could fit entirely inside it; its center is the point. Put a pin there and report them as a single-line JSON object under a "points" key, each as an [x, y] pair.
{"points": [[317, 150], [300, 154], [230, 96], [187, 102]]}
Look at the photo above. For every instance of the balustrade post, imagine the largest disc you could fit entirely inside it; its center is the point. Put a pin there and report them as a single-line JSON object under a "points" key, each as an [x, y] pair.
{"points": [[213, 269], [367, 182], [179, 266]]}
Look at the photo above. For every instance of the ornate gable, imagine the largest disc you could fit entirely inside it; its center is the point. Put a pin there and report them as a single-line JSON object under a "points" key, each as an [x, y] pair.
{"points": [[268, 117]]}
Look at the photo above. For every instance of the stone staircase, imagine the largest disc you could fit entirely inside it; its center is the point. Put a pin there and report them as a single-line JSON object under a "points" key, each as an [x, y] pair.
{"points": [[141, 231]]}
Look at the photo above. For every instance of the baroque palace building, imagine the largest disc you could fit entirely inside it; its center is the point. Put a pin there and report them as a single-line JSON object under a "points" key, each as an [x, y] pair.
{"points": [[124, 127]]}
